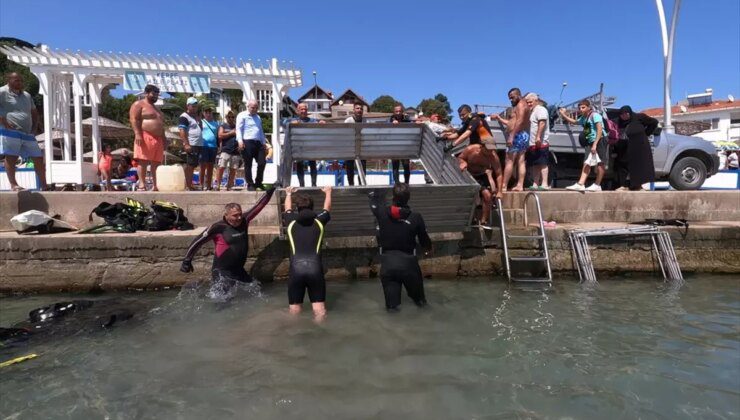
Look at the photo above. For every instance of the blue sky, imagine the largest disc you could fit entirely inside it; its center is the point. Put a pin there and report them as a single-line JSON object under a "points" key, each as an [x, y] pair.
{"points": [[413, 50]]}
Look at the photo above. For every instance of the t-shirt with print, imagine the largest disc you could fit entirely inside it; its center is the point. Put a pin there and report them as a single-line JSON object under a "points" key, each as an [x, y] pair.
{"points": [[589, 126], [192, 128], [229, 145], [539, 113], [210, 133]]}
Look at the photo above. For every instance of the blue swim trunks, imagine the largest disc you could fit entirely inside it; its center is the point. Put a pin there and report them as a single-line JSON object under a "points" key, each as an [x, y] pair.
{"points": [[521, 143]]}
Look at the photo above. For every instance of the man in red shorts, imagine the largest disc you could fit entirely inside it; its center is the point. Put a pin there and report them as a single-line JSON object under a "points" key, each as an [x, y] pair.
{"points": [[149, 140]]}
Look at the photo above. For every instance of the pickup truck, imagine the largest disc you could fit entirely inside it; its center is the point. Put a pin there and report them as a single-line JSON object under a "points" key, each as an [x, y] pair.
{"points": [[684, 161]]}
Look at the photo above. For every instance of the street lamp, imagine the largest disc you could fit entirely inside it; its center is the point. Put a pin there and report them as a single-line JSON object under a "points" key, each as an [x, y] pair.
{"points": [[668, 40], [315, 93]]}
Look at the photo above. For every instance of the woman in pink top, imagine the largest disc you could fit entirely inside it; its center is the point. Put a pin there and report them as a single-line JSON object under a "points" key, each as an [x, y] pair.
{"points": [[105, 159]]}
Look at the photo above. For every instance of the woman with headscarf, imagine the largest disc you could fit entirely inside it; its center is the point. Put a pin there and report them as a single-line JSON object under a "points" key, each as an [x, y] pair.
{"points": [[637, 128]]}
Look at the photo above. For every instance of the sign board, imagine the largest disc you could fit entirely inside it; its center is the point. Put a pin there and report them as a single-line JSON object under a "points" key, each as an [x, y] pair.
{"points": [[167, 81]]}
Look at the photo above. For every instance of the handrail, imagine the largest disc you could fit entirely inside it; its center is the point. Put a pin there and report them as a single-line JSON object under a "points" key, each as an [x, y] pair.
{"points": [[503, 237], [541, 227]]}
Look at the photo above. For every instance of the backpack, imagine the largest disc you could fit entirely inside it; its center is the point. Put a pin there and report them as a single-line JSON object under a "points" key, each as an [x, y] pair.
{"points": [[166, 216], [118, 217], [612, 131]]}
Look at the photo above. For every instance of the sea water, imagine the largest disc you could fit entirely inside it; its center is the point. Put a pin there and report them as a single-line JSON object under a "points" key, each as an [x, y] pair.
{"points": [[628, 348]]}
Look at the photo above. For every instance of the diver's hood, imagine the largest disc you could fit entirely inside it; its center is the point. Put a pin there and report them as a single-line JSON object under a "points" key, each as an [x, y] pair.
{"points": [[306, 217]]}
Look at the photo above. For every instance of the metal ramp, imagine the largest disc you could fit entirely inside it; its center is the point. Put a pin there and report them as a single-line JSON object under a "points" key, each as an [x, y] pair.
{"points": [[661, 241], [542, 257], [446, 204]]}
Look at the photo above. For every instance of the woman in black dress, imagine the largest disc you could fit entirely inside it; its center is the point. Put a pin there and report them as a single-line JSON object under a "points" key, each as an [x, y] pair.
{"points": [[637, 128]]}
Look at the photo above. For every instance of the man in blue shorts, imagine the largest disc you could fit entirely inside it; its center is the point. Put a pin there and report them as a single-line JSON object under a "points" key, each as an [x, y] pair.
{"points": [[517, 139], [18, 122]]}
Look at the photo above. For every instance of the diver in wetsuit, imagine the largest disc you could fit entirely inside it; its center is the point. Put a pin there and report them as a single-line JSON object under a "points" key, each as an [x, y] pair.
{"points": [[398, 230], [229, 236], [305, 230]]}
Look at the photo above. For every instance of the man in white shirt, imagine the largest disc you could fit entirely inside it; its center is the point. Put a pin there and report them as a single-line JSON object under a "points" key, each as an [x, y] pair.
{"points": [[252, 144], [538, 153], [357, 117]]}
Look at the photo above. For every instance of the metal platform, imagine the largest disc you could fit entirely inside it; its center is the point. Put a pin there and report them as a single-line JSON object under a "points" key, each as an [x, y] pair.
{"points": [[661, 242], [446, 204]]}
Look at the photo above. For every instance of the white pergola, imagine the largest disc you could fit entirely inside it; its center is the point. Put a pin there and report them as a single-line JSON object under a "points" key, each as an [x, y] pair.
{"points": [[83, 75]]}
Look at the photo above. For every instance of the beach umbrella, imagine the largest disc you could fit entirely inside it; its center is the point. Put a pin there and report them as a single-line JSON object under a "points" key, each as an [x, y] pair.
{"points": [[109, 129]]}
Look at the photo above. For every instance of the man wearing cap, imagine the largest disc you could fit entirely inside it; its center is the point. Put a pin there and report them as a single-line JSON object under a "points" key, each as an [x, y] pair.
{"points": [[252, 144], [149, 140], [191, 134], [18, 121]]}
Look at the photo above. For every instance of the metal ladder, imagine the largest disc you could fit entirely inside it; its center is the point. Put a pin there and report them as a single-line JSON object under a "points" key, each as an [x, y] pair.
{"points": [[662, 246], [540, 237]]}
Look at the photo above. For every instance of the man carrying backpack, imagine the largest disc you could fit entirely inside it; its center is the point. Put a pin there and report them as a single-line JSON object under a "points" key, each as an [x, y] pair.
{"points": [[230, 239]]}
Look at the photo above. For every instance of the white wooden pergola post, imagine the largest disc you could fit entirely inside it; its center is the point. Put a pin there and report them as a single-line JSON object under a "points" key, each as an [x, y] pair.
{"points": [[78, 91], [46, 92], [94, 90]]}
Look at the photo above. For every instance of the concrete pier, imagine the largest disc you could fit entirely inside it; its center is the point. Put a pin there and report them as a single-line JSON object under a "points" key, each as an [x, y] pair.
{"points": [[148, 260]]}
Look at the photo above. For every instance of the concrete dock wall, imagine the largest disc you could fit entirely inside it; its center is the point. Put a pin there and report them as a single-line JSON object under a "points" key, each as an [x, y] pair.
{"points": [[148, 260], [151, 260]]}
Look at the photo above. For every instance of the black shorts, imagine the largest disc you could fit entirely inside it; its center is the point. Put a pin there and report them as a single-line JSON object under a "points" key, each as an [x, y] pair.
{"points": [[208, 155], [482, 180], [306, 274], [192, 158], [537, 157]]}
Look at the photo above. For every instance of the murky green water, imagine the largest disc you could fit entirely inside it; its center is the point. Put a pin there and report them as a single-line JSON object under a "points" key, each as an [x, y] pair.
{"points": [[628, 349]]}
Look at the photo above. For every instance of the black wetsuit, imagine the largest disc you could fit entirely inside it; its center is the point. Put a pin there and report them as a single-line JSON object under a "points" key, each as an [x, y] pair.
{"points": [[231, 245], [398, 230], [306, 232]]}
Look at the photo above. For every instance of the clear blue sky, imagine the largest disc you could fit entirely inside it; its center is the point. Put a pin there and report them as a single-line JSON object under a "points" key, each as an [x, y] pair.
{"points": [[473, 53]]}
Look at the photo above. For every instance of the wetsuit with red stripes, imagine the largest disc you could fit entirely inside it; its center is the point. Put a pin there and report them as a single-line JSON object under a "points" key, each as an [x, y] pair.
{"points": [[231, 244]]}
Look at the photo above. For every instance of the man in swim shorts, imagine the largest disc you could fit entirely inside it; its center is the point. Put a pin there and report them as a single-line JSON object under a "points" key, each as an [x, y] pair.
{"points": [[149, 141], [230, 239], [305, 229], [517, 139], [398, 231], [482, 167]]}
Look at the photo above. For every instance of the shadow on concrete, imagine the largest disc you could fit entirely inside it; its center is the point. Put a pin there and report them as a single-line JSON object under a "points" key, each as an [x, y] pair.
{"points": [[30, 200]]}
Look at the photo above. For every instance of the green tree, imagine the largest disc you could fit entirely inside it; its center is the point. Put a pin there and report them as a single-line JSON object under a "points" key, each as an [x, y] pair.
{"points": [[431, 106], [115, 108], [383, 103], [443, 99]]}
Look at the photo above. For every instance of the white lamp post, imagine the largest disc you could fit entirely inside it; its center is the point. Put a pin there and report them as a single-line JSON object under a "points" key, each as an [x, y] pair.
{"points": [[668, 40]]}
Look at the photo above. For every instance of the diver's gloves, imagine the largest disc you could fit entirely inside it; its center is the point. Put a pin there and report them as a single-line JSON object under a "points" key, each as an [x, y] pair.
{"points": [[187, 266]]}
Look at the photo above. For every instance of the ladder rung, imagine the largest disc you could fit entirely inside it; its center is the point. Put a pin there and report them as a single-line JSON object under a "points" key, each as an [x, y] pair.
{"points": [[529, 258], [538, 237], [531, 279]]}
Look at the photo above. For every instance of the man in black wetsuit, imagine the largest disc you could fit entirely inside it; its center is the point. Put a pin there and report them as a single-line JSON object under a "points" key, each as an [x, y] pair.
{"points": [[305, 230], [398, 230], [229, 236]]}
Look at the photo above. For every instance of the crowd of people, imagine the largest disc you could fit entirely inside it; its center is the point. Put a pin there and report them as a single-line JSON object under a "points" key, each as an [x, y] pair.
{"points": [[240, 140]]}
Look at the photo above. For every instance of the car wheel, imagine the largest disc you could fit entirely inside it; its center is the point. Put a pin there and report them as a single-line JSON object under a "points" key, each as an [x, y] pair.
{"points": [[688, 173]]}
